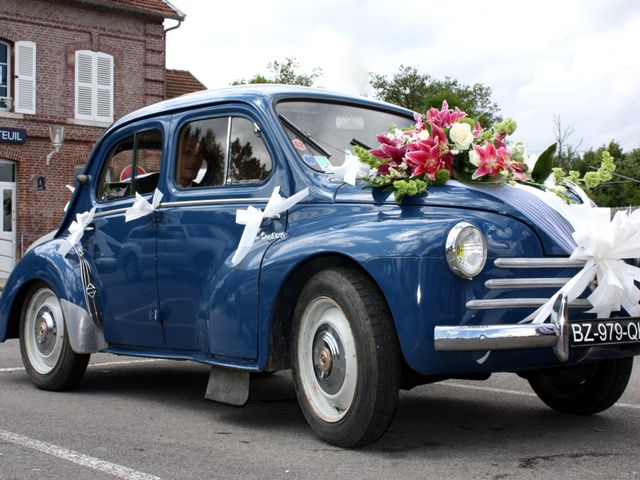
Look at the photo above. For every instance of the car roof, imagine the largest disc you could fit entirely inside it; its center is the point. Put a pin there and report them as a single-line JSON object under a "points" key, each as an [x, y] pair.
{"points": [[250, 93]]}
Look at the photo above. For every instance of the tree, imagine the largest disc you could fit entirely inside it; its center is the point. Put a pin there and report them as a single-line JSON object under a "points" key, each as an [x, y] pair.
{"points": [[284, 73], [565, 153], [419, 92]]}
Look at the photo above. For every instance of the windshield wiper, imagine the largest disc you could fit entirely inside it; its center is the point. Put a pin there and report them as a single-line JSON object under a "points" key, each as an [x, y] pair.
{"points": [[356, 142], [305, 135]]}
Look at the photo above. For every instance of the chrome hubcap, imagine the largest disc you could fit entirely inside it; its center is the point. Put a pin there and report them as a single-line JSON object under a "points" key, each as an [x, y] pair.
{"points": [[45, 331], [328, 359]]}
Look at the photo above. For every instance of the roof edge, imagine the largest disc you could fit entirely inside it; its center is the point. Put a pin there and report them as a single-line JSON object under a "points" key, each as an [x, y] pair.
{"points": [[179, 15]]}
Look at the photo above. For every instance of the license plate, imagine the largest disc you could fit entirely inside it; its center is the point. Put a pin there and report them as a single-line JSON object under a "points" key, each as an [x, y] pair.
{"points": [[609, 331]]}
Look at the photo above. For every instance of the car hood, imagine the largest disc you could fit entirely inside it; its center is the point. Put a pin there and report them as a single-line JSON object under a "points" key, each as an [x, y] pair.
{"points": [[553, 230]]}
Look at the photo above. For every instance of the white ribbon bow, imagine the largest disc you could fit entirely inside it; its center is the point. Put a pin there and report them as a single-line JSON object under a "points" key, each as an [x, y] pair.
{"points": [[350, 170], [142, 207], [79, 225], [603, 244], [71, 189], [252, 217]]}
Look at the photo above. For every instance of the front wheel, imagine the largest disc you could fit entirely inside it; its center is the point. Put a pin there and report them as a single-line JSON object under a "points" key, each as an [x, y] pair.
{"points": [[345, 358], [583, 389], [44, 344]]}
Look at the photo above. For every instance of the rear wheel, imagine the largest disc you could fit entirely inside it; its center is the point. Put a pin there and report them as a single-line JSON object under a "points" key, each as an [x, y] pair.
{"points": [[584, 389], [44, 344], [345, 358]]}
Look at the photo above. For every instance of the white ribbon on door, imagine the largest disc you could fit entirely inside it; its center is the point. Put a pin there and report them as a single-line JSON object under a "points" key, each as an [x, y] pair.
{"points": [[252, 217], [142, 207]]}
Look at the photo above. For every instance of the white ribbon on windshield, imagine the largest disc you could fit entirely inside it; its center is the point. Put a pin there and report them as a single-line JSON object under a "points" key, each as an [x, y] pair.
{"points": [[603, 243], [350, 170], [142, 207], [252, 217]]}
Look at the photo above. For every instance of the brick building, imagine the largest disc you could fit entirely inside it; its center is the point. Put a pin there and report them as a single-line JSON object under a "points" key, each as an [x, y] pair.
{"points": [[80, 64]]}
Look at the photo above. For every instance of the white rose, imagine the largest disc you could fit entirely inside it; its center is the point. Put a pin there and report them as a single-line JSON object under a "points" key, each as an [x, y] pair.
{"points": [[461, 135], [474, 158], [423, 135]]}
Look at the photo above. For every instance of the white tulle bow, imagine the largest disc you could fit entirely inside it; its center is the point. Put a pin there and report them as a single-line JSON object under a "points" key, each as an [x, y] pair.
{"points": [[604, 244], [252, 217]]}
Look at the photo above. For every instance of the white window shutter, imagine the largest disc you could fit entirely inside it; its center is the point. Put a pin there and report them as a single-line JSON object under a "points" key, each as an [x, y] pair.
{"points": [[25, 81], [94, 86], [84, 84], [104, 87]]}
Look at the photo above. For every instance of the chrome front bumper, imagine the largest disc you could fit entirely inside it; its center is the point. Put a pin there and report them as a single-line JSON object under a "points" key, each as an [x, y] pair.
{"points": [[554, 334]]}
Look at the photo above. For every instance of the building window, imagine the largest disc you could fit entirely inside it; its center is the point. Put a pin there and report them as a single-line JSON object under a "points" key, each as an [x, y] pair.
{"points": [[5, 75], [94, 86], [18, 92]]}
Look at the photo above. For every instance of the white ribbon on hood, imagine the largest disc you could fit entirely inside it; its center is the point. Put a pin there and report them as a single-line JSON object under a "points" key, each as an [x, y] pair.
{"points": [[142, 207], [350, 170], [252, 217], [603, 243]]}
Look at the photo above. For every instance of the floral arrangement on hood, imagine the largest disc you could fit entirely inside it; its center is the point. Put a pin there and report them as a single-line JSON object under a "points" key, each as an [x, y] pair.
{"points": [[446, 144]]}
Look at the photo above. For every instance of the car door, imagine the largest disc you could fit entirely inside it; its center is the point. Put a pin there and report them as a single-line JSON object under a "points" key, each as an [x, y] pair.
{"points": [[206, 303], [123, 253]]}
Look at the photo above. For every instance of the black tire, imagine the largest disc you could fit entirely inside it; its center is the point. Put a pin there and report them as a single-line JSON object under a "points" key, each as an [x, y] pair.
{"points": [[44, 344], [347, 400], [584, 389]]}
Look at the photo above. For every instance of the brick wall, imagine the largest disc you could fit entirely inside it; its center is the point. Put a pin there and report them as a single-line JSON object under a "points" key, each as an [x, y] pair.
{"points": [[59, 28]]}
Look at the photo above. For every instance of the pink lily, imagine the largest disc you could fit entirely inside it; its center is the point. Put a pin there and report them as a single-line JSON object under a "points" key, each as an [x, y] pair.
{"points": [[425, 161], [445, 117], [492, 160]]}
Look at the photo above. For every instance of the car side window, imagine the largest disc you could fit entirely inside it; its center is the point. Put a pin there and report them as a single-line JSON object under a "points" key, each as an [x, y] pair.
{"points": [[133, 165], [250, 161], [221, 151]]}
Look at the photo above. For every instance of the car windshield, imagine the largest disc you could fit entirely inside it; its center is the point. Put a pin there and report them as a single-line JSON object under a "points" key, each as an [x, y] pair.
{"points": [[323, 133]]}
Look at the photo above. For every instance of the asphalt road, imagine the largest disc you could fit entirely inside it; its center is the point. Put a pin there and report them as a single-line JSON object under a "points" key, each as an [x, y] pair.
{"points": [[143, 420]]}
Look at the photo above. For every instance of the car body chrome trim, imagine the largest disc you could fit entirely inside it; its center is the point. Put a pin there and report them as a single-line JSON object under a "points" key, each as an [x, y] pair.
{"points": [[542, 262], [514, 283], [219, 201], [115, 211], [509, 337], [519, 303], [189, 203], [494, 337]]}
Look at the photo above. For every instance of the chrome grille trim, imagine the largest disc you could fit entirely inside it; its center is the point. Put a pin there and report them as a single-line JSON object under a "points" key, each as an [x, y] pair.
{"points": [[551, 262], [513, 283], [519, 303]]}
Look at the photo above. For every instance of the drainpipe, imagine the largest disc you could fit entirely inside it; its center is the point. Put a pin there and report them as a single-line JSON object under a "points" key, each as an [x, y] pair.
{"points": [[165, 65]]}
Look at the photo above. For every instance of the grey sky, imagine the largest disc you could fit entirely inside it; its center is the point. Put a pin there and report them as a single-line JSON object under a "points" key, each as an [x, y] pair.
{"points": [[574, 59]]}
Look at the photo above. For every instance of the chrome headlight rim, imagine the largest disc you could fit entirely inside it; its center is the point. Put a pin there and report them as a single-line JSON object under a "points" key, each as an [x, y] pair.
{"points": [[450, 250]]}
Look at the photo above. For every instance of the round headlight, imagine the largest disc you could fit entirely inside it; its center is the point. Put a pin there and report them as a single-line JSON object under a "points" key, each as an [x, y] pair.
{"points": [[466, 250]]}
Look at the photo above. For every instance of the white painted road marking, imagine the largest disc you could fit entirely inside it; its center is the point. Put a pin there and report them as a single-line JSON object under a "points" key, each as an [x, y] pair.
{"points": [[104, 364], [76, 457], [517, 392]]}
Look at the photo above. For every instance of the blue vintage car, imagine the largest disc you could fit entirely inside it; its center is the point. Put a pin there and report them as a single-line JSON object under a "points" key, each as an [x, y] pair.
{"points": [[359, 295]]}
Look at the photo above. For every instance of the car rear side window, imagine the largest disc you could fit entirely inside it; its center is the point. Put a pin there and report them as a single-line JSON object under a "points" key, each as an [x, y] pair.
{"points": [[221, 151], [133, 165]]}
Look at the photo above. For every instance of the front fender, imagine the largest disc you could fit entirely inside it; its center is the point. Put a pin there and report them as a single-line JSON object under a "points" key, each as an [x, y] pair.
{"points": [[62, 273], [402, 250]]}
